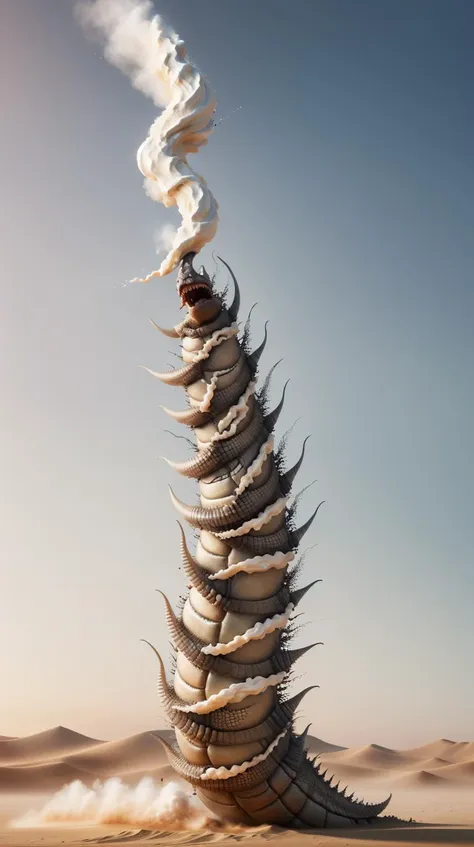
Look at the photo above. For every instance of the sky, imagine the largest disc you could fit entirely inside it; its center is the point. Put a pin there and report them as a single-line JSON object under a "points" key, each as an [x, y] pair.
{"points": [[345, 187]]}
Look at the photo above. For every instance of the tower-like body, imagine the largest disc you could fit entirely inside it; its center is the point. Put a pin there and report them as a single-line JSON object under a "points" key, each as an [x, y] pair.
{"points": [[228, 703]]}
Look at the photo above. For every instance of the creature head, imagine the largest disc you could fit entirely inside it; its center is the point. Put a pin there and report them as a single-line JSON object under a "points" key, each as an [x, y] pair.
{"points": [[196, 292]]}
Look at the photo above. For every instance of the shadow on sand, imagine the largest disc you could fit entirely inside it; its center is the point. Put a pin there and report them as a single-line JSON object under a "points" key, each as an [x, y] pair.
{"points": [[407, 832]]}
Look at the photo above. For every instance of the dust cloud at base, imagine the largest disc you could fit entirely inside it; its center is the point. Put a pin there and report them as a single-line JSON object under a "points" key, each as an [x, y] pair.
{"points": [[113, 802]]}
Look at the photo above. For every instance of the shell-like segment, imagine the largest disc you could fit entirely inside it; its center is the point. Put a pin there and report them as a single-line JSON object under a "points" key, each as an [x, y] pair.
{"points": [[257, 564], [215, 339], [235, 693], [255, 633], [226, 773], [256, 523]]}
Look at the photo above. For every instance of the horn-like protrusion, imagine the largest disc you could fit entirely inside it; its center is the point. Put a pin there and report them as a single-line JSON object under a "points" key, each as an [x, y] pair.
{"points": [[304, 734], [175, 628], [270, 420], [254, 357], [189, 417], [195, 574], [286, 480], [234, 309], [290, 706], [181, 376], [298, 534], [212, 458], [163, 682], [297, 596], [298, 652], [170, 333], [221, 518]]}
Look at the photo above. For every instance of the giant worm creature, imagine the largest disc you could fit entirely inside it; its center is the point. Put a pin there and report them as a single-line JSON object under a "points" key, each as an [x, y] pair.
{"points": [[228, 698]]}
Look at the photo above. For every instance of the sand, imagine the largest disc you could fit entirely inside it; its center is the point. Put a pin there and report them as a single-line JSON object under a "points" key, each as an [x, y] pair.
{"points": [[432, 784]]}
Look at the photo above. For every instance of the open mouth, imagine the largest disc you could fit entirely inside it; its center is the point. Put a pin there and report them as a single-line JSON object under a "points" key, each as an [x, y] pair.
{"points": [[194, 293]]}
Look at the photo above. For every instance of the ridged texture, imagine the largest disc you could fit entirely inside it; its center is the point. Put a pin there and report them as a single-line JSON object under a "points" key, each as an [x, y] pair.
{"points": [[237, 746]]}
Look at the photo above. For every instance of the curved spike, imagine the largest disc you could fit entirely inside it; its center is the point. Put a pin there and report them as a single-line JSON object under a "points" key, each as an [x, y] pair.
{"points": [[192, 569], [268, 378], [179, 639], [298, 534], [270, 420], [297, 596], [254, 357], [170, 333], [189, 417], [163, 682], [298, 652], [181, 376], [187, 512], [245, 506], [217, 455], [234, 309], [290, 706], [288, 477]]}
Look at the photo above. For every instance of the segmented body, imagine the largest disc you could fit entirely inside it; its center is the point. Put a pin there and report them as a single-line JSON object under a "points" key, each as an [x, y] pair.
{"points": [[233, 722]]}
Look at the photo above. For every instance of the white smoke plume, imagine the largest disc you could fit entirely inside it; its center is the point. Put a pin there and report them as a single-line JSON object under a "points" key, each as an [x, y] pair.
{"points": [[138, 42], [113, 802]]}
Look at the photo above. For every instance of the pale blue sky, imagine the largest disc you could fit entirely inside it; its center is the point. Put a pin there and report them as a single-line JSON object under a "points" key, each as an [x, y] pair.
{"points": [[345, 185]]}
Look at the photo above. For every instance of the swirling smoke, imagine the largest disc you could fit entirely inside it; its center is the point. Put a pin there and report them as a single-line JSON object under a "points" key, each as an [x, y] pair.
{"points": [[138, 41]]}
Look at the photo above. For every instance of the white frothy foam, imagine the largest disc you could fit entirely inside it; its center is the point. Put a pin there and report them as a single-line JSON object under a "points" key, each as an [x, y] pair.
{"points": [[257, 564], [238, 412], [255, 469], [214, 340], [112, 802], [206, 401], [137, 41]]}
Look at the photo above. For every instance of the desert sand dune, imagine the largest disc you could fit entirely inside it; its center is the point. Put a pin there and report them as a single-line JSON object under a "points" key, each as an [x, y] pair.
{"points": [[463, 752], [160, 775], [370, 756], [443, 748], [461, 773], [353, 774], [433, 783], [44, 745], [48, 760], [43, 777], [419, 779], [111, 758]]}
